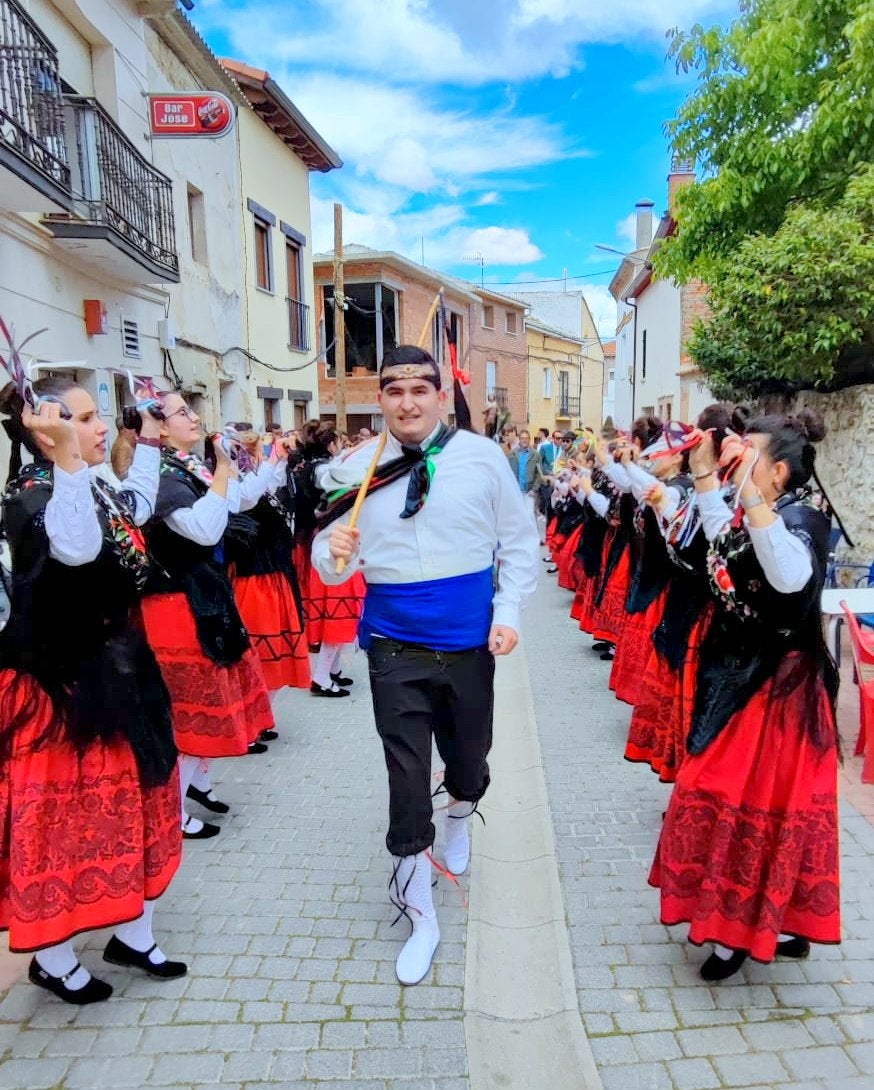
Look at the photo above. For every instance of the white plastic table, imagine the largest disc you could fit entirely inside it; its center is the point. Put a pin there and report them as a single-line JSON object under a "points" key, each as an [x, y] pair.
{"points": [[859, 599]]}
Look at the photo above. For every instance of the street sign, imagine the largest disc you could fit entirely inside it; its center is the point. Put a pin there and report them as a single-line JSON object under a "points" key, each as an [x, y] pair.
{"points": [[204, 114]]}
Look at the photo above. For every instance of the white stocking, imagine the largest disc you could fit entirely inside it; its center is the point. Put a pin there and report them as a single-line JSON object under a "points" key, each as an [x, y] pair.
{"points": [[138, 934], [326, 659], [187, 768], [60, 960], [200, 780]]}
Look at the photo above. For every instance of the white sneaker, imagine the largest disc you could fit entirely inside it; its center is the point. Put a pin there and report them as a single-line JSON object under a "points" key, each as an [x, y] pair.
{"points": [[456, 845], [411, 886]]}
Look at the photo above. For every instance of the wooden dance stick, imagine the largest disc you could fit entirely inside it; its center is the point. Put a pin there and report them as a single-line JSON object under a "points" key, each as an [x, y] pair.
{"points": [[380, 445]]}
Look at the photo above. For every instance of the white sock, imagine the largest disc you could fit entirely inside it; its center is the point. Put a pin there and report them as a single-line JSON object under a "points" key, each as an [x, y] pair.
{"points": [[723, 952], [60, 960], [187, 768], [138, 934], [201, 781], [338, 659], [324, 665]]}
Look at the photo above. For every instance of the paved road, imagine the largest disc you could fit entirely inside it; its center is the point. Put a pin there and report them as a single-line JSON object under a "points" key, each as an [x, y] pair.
{"points": [[652, 1023], [285, 922]]}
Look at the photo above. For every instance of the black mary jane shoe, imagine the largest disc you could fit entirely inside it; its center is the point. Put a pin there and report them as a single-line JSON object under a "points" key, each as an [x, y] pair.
{"points": [[268, 735], [206, 833], [717, 968], [320, 690], [609, 655], [601, 645], [793, 948], [119, 953], [95, 991], [257, 747], [551, 571], [338, 679], [215, 806]]}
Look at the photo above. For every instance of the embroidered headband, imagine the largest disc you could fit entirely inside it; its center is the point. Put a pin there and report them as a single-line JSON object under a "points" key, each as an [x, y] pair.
{"points": [[405, 362]]}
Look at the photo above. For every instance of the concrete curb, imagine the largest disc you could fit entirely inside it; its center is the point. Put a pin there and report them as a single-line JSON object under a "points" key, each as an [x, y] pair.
{"points": [[521, 1016]]}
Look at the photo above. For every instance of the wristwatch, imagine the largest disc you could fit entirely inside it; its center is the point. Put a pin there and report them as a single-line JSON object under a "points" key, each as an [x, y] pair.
{"points": [[747, 505]]}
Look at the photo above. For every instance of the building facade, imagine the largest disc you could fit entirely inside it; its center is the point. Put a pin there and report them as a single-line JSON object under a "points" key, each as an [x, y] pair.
{"points": [[655, 318], [88, 246], [388, 299], [278, 149], [555, 377]]}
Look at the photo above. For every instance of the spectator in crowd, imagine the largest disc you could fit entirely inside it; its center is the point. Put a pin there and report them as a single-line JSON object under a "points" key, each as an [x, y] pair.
{"points": [[527, 468]]}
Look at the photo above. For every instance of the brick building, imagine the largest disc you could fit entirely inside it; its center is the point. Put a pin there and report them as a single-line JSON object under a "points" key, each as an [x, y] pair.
{"points": [[388, 299]]}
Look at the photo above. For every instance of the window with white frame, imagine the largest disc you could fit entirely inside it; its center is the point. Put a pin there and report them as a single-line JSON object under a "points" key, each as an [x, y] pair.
{"points": [[547, 382]]}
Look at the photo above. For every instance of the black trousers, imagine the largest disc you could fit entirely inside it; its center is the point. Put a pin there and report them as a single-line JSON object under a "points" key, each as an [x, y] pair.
{"points": [[419, 693]]}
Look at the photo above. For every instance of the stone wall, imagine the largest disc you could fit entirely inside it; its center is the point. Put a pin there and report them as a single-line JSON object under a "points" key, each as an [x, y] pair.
{"points": [[845, 462]]}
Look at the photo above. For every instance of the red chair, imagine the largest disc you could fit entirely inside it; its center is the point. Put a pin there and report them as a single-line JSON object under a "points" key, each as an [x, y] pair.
{"points": [[862, 644]]}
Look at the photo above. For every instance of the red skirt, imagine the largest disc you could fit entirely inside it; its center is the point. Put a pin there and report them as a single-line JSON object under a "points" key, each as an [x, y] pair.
{"points": [[749, 846], [608, 618], [568, 560], [332, 612], [217, 710], [270, 614], [633, 650], [82, 843], [552, 533]]}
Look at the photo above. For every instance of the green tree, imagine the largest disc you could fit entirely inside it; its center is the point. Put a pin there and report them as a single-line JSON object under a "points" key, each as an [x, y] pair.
{"points": [[784, 306], [783, 114]]}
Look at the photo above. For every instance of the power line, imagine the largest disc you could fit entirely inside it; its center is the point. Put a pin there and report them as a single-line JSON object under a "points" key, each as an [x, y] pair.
{"points": [[550, 280]]}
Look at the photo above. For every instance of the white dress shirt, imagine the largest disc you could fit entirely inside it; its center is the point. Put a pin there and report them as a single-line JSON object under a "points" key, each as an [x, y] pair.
{"points": [[784, 557], [474, 515]]}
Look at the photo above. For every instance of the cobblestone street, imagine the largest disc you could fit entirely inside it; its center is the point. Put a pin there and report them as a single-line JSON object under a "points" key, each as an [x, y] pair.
{"points": [[652, 1024], [285, 922]]}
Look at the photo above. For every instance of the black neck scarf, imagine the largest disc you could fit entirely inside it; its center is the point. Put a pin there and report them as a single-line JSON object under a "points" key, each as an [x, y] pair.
{"points": [[414, 461]]}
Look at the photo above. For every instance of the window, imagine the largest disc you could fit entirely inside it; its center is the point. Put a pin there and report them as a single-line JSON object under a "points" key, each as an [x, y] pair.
{"points": [[643, 356], [270, 413], [488, 317], [371, 324], [440, 351], [491, 377], [263, 263], [197, 225], [130, 339], [263, 222], [301, 413], [292, 269], [298, 311], [547, 382], [510, 317], [611, 384]]}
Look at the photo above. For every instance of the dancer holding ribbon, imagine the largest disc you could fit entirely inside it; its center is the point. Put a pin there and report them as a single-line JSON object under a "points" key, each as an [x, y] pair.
{"points": [[441, 511]]}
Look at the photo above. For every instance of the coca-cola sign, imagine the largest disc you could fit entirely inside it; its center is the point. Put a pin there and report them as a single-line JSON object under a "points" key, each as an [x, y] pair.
{"points": [[205, 114]]}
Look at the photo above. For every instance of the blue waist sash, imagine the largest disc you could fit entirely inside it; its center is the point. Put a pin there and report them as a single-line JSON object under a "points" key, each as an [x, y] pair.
{"points": [[452, 614]]}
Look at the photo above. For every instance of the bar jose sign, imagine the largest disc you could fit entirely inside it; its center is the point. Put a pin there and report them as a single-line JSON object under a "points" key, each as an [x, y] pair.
{"points": [[206, 114]]}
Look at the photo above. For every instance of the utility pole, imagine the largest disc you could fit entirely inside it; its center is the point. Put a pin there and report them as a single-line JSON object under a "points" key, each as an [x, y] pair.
{"points": [[339, 320]]}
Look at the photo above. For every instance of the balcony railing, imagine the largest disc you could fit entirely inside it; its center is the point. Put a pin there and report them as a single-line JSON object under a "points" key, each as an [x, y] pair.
{"points": [[569, 406], [498, 394], [118, 190], [298, 325], [31, 105]]}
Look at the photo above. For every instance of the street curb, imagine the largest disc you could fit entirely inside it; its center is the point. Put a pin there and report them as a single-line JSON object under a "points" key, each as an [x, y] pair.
{"points": [[522, 1021]]}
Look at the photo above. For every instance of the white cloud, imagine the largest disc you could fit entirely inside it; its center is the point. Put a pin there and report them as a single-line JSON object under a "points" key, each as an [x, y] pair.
{"points": [[497, 245], [450, 41], [405, 138], [492, 197], [603, 308], [626, 231]]}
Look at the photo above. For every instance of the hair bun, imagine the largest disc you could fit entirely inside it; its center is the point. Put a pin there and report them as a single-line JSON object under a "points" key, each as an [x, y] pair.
{"points": [[811, 424], [10, 401]]}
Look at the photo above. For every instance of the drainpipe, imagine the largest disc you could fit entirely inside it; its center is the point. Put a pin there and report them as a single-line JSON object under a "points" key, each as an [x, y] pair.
{"points": [[633, 360]]}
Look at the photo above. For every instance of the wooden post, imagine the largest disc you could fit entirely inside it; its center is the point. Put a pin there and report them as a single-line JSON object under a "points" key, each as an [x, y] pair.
{"points": [[339, 320]]}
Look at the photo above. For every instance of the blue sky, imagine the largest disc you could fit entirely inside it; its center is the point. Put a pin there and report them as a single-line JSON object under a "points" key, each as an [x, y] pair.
{"points": [[520, 130]]}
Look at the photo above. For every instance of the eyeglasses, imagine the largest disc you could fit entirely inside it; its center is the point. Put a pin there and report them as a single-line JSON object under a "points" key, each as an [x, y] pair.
{"points": [[189, 414]]}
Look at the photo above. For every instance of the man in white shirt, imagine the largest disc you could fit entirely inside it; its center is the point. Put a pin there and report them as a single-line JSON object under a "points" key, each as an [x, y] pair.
{"points": [[442, 512]]}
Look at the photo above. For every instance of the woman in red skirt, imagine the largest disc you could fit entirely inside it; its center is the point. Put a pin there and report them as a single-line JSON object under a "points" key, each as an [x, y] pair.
{"points": [[89, 819], [219, 699], [748, 854], [332, 612], [662, 716], [265, 582]]}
